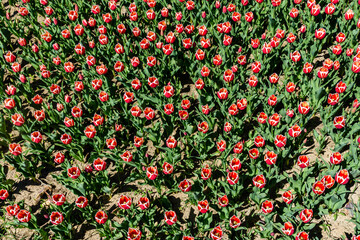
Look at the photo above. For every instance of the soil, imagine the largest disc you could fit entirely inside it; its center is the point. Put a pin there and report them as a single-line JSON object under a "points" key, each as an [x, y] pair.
{"points": [[33, 194]]}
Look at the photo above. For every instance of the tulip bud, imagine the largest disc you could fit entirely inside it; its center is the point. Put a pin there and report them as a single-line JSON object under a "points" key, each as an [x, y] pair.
{"points": [[88, 169], [59, 107], [35, 48], [91, 44], [217, 4], [356, 104], [22, 78], [203, 15], [56, 46], [67, 98], [303, 29], [263, 36]]}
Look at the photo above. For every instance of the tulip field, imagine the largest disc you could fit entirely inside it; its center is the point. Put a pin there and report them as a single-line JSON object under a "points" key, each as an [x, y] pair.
{"points": [[180, 119]]}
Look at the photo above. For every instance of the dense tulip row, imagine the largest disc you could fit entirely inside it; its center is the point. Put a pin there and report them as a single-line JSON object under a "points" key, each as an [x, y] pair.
{"points": [[212, 107]]}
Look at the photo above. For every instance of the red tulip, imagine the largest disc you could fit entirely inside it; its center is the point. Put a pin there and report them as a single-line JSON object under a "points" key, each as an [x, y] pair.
{"points": [[203, 206], [233, 110], [167, 168], [223, 201], [152, 173], [303, 161], [144, 203], [127, 156], [235, 164], [216, 233], [306, 215], [81, 202], [318, 188], [24, 216], [355, 67], [138, 141], [39, 115], [270, 157], [12, 210], [302, 236], [234, 222], [336, 158], [111, 143], [90, 131], [304, 108], [185, 185], [170, 217], [206, 173], [320, 33], [274, 119], [171, 142], [149, 113], [56, 218], [4, 194], [339, 122], [342, 177], [232, 178], [184, 114], [280, 141], [242, 103], [259, 141], [294, 131], [262, 118], [259, 181], [256, 67], [330, 9], [238, 148], [222, 94], [15, 149], [349, 14], [328, 181], [288, 229], [101, 217], [124, 202], [221, 145], [133, 234], [36, 137], [295, 56], [169, 91], [308, 67], [59, 158], [73, 172], [99, 164], [272, 100], [254, 153], [267, 207], [287, 197]]}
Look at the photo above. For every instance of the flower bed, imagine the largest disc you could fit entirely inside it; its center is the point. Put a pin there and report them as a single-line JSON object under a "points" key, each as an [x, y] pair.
{"points": [[244, 112]]}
